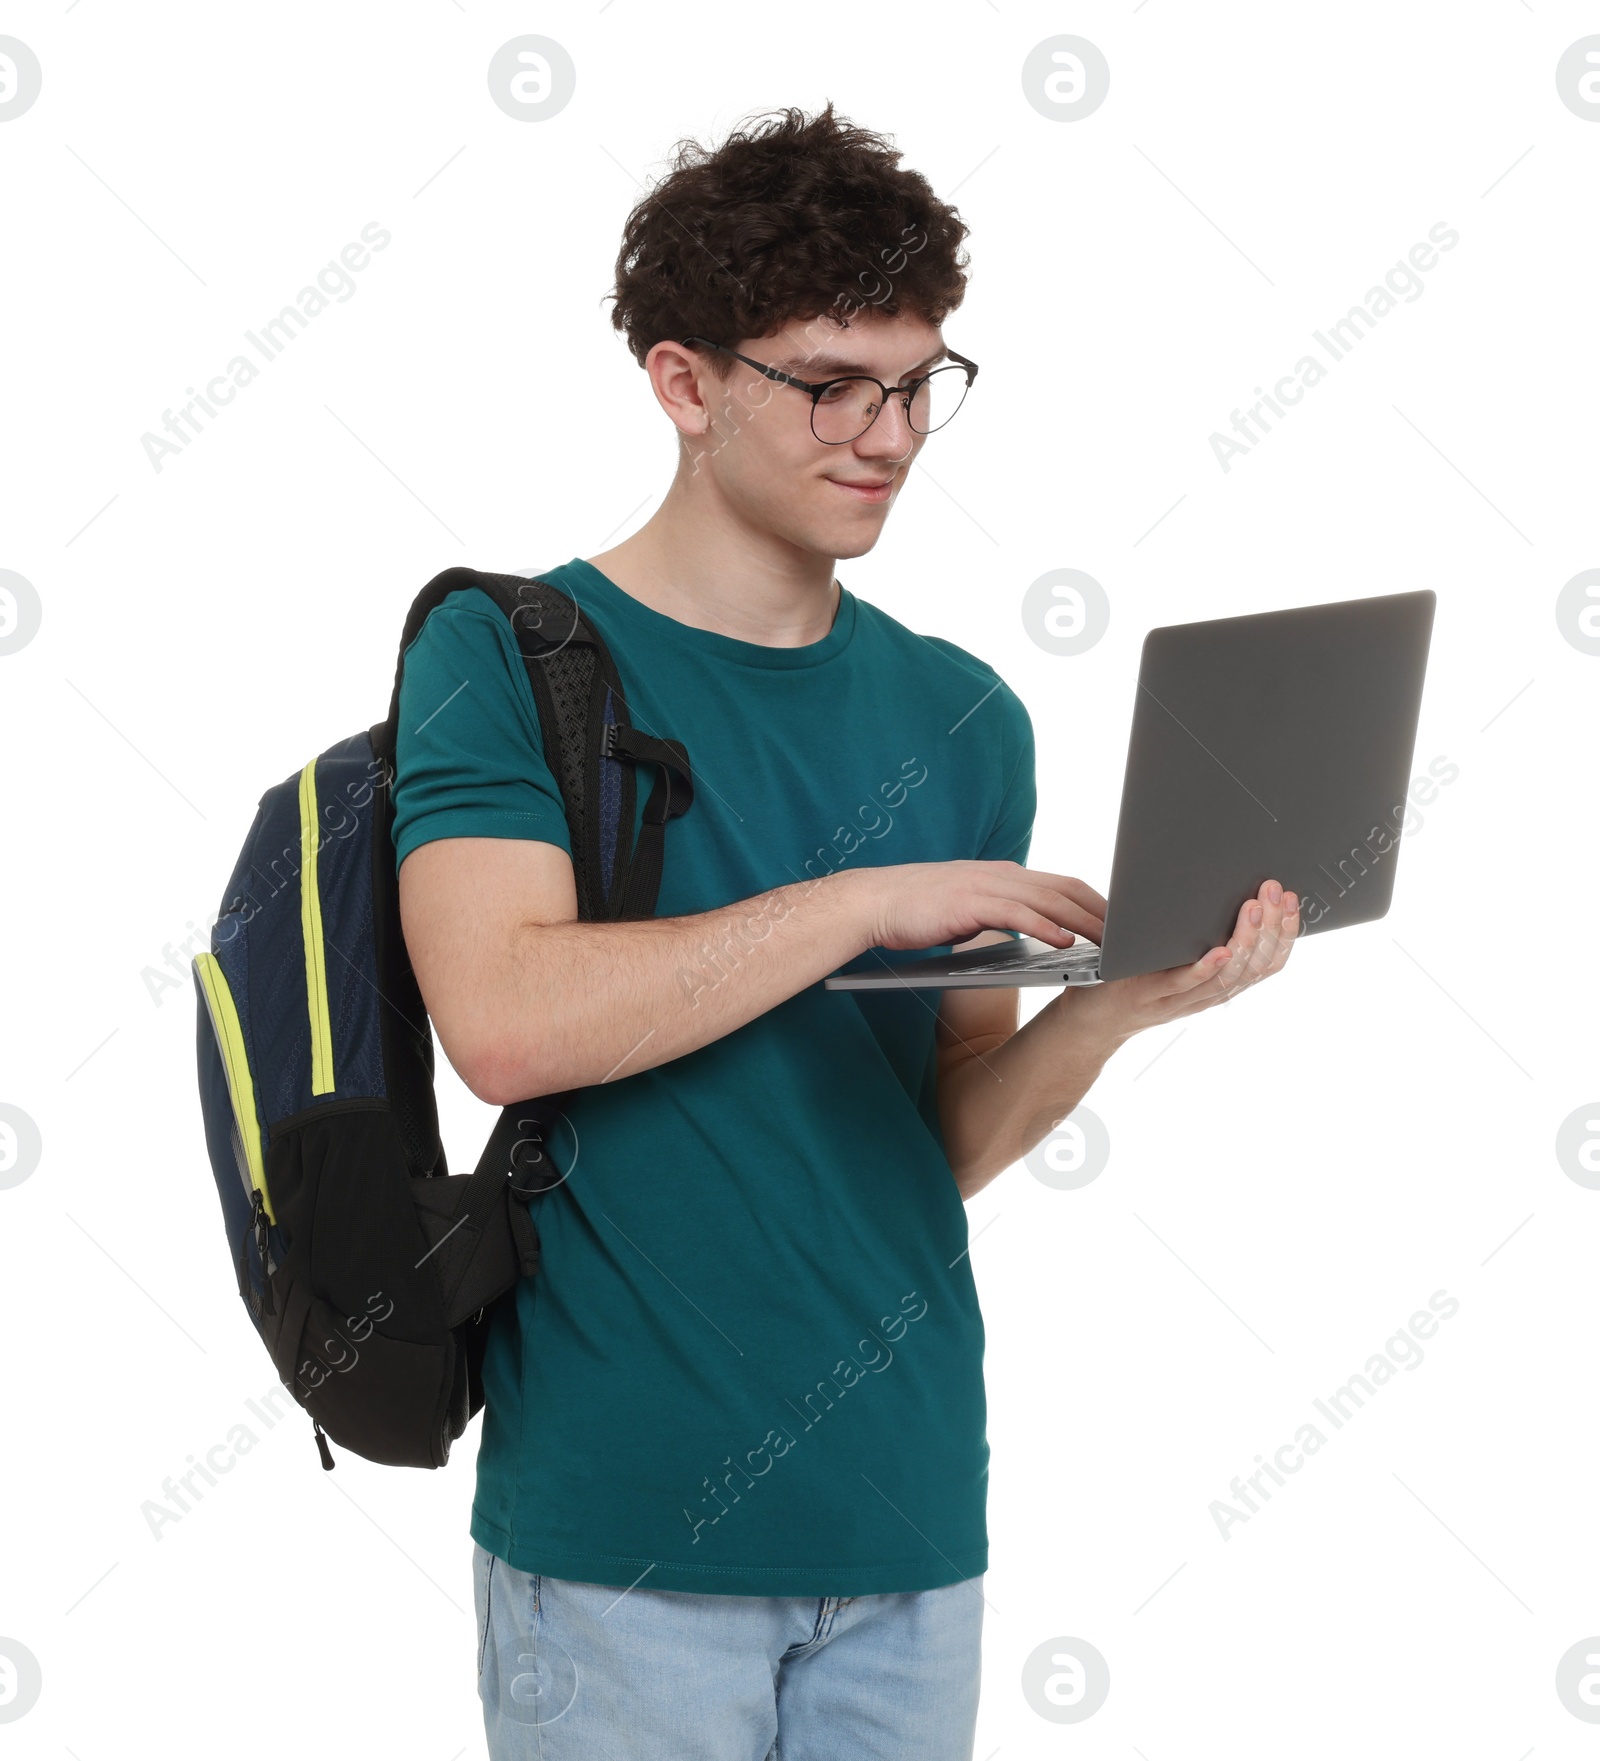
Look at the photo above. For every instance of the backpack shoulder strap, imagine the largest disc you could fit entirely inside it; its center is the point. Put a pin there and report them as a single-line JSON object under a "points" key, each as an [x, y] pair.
{"points": [[590, 744]]}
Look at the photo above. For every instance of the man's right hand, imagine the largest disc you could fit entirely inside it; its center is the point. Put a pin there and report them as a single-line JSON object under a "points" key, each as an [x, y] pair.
{"points": [[926, 904]]}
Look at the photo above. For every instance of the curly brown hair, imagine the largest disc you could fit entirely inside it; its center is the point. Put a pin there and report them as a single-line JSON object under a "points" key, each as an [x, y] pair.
{"points": [[790, 217]]}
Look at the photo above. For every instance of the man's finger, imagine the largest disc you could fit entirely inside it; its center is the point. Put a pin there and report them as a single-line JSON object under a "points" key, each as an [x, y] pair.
{"points": [[1055, 901], [1080, 892], [1178, 979]]}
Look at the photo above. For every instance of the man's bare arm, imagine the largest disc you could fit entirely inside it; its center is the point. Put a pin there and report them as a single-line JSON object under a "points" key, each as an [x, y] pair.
{"points": [[527, 1001], [1001, 1092]]}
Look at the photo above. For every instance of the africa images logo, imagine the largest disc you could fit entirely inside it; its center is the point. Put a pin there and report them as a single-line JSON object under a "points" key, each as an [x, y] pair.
{"points": [[1402, 282], [1401, 1351]]}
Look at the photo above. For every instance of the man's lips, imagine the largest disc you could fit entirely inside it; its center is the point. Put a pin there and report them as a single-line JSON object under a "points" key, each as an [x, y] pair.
{"points": [[868, 489]]}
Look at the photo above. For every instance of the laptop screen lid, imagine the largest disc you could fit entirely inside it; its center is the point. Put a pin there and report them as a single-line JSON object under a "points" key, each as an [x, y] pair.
{"points": [[1273, 746]]}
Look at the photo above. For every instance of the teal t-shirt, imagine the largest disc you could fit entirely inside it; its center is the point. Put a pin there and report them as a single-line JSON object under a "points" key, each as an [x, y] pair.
{"points": [[751, 1361]]}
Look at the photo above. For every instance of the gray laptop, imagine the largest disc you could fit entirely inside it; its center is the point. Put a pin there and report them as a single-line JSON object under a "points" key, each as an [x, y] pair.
{"points": [[1276, 746]]}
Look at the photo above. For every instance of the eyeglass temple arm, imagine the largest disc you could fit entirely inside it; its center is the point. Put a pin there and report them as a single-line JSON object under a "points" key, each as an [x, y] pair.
{"points": [[760, 366], [813, 386]]}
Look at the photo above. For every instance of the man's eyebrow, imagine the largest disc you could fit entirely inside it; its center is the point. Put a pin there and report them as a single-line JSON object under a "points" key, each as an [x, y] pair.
{"points": [[821, 366]]}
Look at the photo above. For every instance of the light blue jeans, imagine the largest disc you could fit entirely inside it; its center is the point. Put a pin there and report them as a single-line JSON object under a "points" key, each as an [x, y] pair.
{"points": [[588, 1672]]}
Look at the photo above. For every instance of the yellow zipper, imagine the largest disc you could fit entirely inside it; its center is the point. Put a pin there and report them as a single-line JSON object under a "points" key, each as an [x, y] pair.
{"points": [[241, 1090], [311, 933]]}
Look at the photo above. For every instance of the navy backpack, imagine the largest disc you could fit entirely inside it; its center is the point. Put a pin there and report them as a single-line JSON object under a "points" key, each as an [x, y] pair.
{"points": [[367, 1268]]}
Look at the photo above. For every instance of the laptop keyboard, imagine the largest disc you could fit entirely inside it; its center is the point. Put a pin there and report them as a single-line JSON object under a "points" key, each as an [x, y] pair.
{"points": [[1054, 960]]}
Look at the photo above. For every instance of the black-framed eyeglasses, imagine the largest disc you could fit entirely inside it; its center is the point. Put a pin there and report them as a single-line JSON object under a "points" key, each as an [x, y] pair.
{"points": [[843, 409]]}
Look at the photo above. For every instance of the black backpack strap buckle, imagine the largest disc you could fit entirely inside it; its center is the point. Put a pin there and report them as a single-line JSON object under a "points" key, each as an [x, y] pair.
{"points": [[670, 794], [671, 757]]}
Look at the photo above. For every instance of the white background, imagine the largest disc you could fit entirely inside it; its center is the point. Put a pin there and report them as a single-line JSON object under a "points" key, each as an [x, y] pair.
{"points": [[1287, 1184]]}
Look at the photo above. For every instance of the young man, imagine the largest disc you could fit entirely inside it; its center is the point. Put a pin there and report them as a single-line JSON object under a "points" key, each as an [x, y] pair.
{"points": [[732, 1475]]}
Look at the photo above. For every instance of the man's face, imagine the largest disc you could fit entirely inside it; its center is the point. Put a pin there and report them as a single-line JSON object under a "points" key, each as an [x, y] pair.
{"points": [[772, 469]]}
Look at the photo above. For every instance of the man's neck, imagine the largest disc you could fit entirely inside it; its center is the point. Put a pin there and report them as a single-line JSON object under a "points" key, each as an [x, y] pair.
{"points": [[718, 574]]}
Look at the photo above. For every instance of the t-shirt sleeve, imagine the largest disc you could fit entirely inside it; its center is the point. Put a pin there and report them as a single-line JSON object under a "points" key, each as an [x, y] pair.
{"points": [[1013, 826], [469, 757]]}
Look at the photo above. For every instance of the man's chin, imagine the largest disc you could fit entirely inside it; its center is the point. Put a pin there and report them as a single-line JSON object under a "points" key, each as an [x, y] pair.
{"points": [[849, 538], [856, 545]]}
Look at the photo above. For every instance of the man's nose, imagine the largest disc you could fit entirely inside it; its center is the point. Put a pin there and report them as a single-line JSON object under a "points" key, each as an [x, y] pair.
{"points": [[891, 435]]}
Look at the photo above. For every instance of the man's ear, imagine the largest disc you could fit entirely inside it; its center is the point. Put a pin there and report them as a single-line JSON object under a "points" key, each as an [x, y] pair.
{"points": [[675, 378]]}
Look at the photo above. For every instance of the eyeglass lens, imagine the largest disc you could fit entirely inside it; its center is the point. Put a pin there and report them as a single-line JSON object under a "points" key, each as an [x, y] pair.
{"points": [[847, 408]]}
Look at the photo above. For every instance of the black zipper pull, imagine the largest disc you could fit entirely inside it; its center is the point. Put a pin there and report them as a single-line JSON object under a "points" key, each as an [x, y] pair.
{"points": [[322, 1445], [263, 1249]]}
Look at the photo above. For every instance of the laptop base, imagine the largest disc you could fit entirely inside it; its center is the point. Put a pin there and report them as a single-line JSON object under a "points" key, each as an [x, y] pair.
{"points": [[1028, 962]]}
